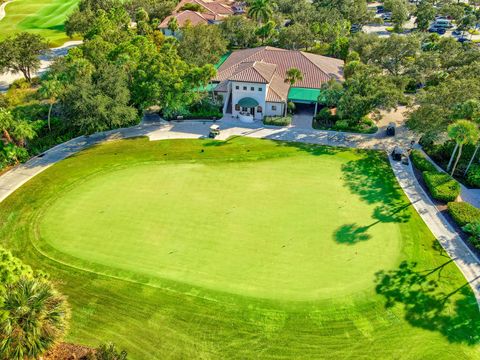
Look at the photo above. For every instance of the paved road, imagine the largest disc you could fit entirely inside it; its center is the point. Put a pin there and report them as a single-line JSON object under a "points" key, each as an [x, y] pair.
{"points": [[448, 238], [6, 79]]}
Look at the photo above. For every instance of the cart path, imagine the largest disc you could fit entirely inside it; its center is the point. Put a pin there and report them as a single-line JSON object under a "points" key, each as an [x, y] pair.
{"points": [[2, 9], [467, 262]]}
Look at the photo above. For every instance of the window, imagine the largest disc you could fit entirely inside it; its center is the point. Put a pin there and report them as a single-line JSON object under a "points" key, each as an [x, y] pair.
{"points": [[274, 108], [237, 107], [237, 87], [244, 109], [252, 89], [244, 88], [259, 109], [260, 89]]}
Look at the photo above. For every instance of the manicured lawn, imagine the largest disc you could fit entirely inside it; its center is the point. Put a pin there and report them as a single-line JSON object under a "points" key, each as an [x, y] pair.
{"points": [[44, 17], [241, 249]]}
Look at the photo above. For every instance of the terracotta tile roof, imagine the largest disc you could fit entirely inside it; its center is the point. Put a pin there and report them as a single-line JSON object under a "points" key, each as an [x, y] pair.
{"points": [[316, 69], [183, 17], [211, 10], [277, 90], [258, 72]]}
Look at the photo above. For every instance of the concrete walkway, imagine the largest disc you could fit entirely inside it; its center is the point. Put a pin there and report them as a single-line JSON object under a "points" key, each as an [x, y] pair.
{"points": [[466, 260], [448, 238]]}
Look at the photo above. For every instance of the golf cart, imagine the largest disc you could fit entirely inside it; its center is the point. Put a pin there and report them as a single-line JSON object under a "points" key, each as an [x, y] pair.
{"points": [[214, 131], [397, 153]]}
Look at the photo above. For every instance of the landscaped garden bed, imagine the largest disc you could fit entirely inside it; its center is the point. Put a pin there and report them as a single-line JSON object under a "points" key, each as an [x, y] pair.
{"points": [[277, 120]]}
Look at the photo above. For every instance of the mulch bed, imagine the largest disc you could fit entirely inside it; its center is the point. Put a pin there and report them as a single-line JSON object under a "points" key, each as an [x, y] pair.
{"points": [[64, 351]]}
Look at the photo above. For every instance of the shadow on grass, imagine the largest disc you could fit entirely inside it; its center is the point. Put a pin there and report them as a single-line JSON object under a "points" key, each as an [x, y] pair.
{"points": [[453, 314], [351, 234], [371, 178]]}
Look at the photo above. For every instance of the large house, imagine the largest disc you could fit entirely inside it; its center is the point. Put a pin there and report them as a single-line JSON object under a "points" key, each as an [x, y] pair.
{"points": [[252, 81], [195, 12]]}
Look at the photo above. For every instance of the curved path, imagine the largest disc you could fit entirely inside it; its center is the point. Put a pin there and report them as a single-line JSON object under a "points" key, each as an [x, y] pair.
{"points": [[465, 259], [2, 9]]}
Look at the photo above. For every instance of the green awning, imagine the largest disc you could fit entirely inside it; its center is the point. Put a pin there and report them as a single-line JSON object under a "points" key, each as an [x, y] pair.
{"points": [[248, 102], [222, 59], [306, 95]]}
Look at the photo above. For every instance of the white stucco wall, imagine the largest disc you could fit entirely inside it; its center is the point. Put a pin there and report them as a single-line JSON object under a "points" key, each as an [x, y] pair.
{"points": [[279, 111], [240, 93]]}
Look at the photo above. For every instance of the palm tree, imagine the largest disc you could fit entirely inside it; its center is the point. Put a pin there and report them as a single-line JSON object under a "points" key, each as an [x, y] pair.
{"points": [[109, 352], [266, 31], [293, 75], [463, 132], [6, 121], [35, 319], [260, 10], [173, 25], [23, 131], [50, 90]]}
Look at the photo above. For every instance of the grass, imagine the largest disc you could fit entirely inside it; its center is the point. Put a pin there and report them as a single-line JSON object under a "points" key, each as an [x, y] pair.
{"points": [[44, 17], [241, 249]]}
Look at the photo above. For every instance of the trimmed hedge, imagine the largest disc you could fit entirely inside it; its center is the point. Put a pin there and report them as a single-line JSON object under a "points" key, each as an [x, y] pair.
{"points": [[277, 120], [463, 213], [441, 186], [473, 176], [421, 162]]}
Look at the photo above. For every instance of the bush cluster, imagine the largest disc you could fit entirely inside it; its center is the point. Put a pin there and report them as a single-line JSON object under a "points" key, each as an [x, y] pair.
{"points": [[421, 162], [441, 186], [463, 213], [473, 176], [277, 120]]}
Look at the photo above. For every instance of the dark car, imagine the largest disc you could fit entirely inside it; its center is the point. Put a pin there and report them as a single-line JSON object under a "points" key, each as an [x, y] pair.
{"points": [[456, 32], [380, 9], [355, 28], [391, 129], [463, 40]]}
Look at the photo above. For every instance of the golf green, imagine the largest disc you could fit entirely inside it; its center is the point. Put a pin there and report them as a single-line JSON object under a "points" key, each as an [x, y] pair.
{"points": [[241, 249], [44, 17]]}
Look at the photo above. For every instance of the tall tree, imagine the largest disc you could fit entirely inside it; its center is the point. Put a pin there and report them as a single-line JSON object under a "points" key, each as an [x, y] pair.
{"points": [[425, 14], [36, 319], [260, 10], [462, 132], [201, 44], [239, 31], [50, 90], [21, 52]]}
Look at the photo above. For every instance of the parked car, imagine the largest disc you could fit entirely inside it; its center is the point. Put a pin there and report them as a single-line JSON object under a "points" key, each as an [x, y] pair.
{"points": [[391, 129], [443, 23], [456, 32], [463, 40], [387, 16], [380, 9], [355, 28], [439, 31]]}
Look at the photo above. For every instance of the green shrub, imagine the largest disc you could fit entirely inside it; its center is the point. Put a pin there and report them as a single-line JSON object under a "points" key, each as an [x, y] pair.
{"points": [[421, 162], [277, 120], [474, 230], [473, 176], [463, 213], [342, 125], [441, 186]]}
